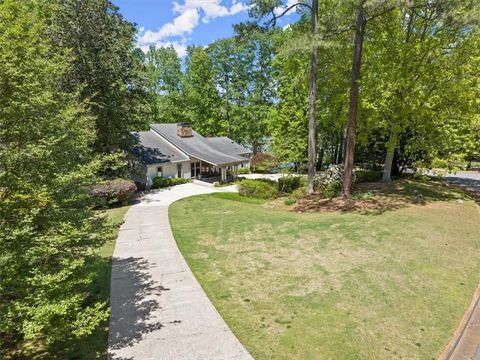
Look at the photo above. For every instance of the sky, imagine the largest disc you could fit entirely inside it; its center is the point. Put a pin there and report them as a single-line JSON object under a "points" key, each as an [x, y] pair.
{"points": [[187, 22]]}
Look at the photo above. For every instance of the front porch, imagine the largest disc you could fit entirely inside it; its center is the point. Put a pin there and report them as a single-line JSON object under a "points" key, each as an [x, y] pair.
{"points": [[210, 172]]}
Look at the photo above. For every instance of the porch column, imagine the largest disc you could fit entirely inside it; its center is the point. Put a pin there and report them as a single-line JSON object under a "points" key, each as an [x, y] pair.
{"points": [[224, 173]]}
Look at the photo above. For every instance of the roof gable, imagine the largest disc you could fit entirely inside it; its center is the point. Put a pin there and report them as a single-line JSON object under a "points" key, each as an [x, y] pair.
{"points": [[198, 146], [153, 149]]}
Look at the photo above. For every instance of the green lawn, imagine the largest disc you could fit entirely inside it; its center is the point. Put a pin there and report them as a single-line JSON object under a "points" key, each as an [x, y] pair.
{"points": [[94, 346], [391, 284]]}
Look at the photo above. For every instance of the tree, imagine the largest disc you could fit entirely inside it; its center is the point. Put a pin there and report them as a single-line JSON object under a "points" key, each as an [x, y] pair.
{"points": [[242, 68], [47, 227], [202, 98], [420, 54], [262, 8], [376, 9], [105, 67], [165, 77]]}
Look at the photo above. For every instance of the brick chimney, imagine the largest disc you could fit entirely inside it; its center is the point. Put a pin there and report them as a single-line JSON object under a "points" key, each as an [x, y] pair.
{"points": [[184, 129]]}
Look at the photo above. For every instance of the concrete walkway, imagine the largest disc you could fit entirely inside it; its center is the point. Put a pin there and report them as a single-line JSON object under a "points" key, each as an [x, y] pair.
{"points": [[159, 310]]}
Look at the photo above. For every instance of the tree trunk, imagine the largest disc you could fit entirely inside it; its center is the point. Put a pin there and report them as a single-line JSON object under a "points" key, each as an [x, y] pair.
{"points": [[352, 111], [321, 153], [313, 98], [387, 169], [340, 149]]}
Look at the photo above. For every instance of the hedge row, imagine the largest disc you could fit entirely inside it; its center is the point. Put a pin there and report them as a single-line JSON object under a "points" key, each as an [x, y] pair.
{"points": [[160, 182]]}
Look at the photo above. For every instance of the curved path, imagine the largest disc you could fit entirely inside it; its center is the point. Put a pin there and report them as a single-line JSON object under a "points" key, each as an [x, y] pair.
{"points": [[158, 309]]}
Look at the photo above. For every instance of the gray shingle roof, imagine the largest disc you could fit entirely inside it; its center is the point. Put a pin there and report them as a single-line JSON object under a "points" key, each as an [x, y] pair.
{"points": [[227, 145], [153, 149], [198, 146]]}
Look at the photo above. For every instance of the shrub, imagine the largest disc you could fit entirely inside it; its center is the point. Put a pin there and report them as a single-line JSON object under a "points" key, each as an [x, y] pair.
{"points": [[244, 170], [365, 176], [112, 191], [329, 183], [263, 163], [159, 182], [287, 184], [258, 188], [289, 201], [299, 193]]}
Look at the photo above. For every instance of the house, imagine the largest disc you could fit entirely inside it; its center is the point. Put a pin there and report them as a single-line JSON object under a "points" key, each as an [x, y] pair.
{"points": [[176, 150]]}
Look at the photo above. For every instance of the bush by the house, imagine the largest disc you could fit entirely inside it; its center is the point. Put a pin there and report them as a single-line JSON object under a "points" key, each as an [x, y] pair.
{"points": [[259, 188], [329, 183], [113, 191], [160, 182], [244, 170], [366, 176], [287, 184]]}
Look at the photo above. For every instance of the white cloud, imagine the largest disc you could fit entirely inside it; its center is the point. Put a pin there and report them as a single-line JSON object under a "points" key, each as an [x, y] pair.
{"points": [[182, 24], [180, 47], [278, 10], [190, 14], [211, 8]]}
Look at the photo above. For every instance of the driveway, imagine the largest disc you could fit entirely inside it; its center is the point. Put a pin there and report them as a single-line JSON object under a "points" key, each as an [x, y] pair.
{"points": [[158, 309], [468, 179]]}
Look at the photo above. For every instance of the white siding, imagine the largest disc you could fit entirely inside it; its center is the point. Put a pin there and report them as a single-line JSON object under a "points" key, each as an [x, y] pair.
{"points": [[169, 171]]}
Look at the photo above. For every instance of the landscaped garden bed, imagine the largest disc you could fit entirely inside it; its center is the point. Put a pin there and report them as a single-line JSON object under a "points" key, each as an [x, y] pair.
{"points": [[360, 283]]}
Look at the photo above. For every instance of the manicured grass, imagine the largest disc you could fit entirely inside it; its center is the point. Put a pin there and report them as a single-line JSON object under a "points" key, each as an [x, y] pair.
{"points": [[95, 345], [337, 285]]}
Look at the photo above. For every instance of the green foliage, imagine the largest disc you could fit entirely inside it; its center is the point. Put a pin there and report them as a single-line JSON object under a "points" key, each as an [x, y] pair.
{"points": [[289, 201], [47, 229], [160, 182], [287, 184], [244, 170], [263, 163], [164, 83], [259, 188], [299, 193], [329, 183], [365, 176], [105, 67], [113, 191], [201, 93]]}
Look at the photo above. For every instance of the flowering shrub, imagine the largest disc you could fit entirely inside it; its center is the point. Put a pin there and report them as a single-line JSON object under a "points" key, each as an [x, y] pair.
{"points": [[329, 183], [112, 191]]}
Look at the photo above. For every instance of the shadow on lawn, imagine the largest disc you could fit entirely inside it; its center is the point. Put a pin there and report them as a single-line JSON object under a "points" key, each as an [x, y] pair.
{"points": [[377, 198], [131, 316]]}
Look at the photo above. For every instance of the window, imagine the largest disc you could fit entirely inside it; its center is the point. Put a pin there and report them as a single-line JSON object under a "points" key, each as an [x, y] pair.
{"points": [[179, 170], [160, 171]]}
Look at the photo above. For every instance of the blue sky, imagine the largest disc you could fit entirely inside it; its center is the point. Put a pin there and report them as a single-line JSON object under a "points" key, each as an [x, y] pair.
{"points": [[186, 22]]}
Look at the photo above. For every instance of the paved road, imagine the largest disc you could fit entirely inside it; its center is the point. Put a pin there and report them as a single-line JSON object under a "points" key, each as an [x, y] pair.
{"points": [[469, 179], [159, 310], [465, 344]]}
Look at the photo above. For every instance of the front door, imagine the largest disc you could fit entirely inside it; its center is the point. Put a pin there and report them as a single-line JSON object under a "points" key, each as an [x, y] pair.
{"points": [[179, 170]]}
